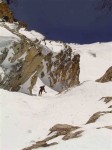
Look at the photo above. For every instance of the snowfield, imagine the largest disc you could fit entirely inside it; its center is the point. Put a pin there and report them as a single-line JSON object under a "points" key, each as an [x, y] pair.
{"points": [[96, 58], [26, 119]]}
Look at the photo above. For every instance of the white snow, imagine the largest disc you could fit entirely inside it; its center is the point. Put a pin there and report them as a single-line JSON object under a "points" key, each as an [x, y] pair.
{"points": [[26, 119], [25, 88], [7, 38], [49, 91], [32, 35], [55, 46], [7, 63], [95, 59], [1, 73], [5, 33], [92, 140], [12, 26]]}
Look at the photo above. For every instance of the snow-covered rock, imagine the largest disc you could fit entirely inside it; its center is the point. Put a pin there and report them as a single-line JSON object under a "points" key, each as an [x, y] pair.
{"points": [[25, 57], [106, 77], [32, 35]]}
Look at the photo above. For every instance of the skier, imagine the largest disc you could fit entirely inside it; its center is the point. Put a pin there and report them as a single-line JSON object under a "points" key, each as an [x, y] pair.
{"points": [[42, 88]]}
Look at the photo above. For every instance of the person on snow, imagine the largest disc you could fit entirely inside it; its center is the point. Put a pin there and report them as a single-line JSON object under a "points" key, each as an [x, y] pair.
{"points": [[42, 88]]}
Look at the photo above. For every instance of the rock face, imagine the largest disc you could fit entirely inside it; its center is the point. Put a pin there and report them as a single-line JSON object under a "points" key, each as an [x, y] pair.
{"points": [[22, 70], [96, 116], [107, 99], [106, 77], [28, 60], [64, 130], [62, 69], [39, 144], [73, 135], [5, 11]]}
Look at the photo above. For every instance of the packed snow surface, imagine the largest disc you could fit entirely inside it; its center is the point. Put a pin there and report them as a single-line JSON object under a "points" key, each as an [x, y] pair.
{"points": [[32, 35], [5, 33], [7, 38], [95, 59], [26, 119]]}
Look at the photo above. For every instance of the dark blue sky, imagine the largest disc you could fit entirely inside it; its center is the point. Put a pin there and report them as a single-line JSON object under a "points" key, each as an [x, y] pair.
{"points": [[79, 21]]}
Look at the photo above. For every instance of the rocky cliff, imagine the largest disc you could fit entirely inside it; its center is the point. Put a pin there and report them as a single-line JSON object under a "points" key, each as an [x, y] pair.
{"points": [[106, 77], [24, 60], [5, 11]]}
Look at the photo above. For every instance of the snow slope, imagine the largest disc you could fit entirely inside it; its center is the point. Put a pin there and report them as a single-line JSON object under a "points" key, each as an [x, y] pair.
{"points": [[6, 37], [32, 35], [95, 59], [26, 119]]}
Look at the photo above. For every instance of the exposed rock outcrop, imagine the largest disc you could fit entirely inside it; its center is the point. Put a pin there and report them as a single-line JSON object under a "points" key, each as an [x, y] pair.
{"points": [[62, 129], [106, 99], [97, 115], [58, 129], [25, 62], [110, 106], [28, 60], [106, 77], [39, 144], [73, 135], [5, 11], [107, 127], [62, 69]]}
